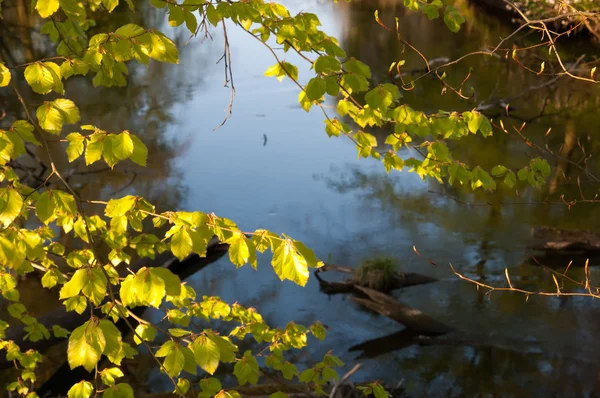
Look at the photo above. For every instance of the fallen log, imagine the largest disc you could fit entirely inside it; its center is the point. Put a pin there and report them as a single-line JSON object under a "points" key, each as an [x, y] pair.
{"points": [[71, 320], [398, 281], [411, 318]]}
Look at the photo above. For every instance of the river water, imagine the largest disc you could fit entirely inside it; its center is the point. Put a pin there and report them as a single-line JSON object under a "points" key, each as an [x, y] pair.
{"points": [[271, 165]]}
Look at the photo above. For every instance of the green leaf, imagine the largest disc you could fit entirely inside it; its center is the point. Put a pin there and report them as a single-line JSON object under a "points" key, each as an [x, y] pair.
{"points": [[183, 386], [120, 207], [122, 145], [190, 362], [145, 288], [74, 285], [75, 147], [60, 332], [11, 204], [241, 250], [83, 389], [246, 369], [392, 161], [4, 75], [52, 115], [121, 390], [210, 385], [140, 151], [542, 166], [86, 344], [499, 170], [163, 48], [289, 265], [115, 349], [50, 279], [453, 19], [379, 391], [319, 331], [146, 332], [44, 77], [110, 375], [206, 353], [327, 64], [44, 208], [432, 11], [95, 286], [64, 202], [355, 66], [94, 149], [174, 361], [25, 130], [523, 173], [283, 69], [382, 96], [77, 304], [176, 15], [182, 243], [46, 8], [171, 281], [190, 21], [315, 88], [226, 348], [309, 255], [510, 180], [110, 4]]}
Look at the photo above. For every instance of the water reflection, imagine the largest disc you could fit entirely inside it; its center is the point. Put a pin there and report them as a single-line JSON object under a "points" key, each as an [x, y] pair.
{"points": [[313, 188]]}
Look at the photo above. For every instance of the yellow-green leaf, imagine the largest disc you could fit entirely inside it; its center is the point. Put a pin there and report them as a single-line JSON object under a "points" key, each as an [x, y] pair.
{"points": [[140, 151], [4, 75], [83, 389], [75, 147], [207, 354], [121, 390], [52, 115], [289, 265], [46, 8], [86, 345], [11, 203], [45, 207]]}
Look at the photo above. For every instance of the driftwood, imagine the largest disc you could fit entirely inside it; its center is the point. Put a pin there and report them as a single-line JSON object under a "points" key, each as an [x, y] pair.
{"points": [[398, 281]]}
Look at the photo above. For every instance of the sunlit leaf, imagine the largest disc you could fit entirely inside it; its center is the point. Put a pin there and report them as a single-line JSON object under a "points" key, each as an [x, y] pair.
{"points": [[83, 389], [47, 8], [4, 75]]}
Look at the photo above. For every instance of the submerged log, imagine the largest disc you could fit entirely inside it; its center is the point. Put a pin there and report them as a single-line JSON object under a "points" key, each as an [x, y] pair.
{"points": [[398, 281], [410, 317], [421, 329]]}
